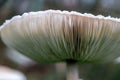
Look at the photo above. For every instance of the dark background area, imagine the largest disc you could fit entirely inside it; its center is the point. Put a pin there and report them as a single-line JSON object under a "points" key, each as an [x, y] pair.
{"points": [[35, 71]]}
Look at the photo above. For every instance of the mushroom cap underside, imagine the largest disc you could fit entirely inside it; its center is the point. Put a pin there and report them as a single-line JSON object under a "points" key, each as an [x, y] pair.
{"points": [[54, 36]]}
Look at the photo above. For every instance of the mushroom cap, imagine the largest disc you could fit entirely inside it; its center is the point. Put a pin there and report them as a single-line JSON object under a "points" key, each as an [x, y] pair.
{"points": [[55, 36], [7, 73]]}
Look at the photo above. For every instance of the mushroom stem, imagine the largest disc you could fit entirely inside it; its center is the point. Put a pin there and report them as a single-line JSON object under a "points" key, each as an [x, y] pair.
{"points": [[72, 71]]}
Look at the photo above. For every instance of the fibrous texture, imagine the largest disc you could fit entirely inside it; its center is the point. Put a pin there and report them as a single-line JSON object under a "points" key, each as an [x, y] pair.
{"points": [[53, 36]]}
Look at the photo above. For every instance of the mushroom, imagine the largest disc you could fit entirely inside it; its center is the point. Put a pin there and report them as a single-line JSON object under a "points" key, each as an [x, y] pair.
{"points": [[54, 36], [10, 74]]}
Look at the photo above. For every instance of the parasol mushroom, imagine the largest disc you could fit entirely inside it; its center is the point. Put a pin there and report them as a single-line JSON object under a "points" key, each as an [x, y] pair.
{"points": [[54, 36]]}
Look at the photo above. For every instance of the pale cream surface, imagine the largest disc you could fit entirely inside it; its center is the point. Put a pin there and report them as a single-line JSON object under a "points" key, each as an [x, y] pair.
{"points": [[50, 36]]}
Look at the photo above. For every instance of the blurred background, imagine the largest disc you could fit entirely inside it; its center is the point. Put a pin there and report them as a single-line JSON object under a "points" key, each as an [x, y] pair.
{"points": [[11, 62]]}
